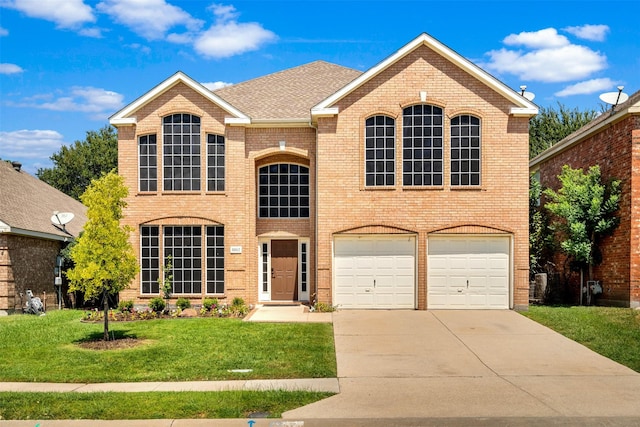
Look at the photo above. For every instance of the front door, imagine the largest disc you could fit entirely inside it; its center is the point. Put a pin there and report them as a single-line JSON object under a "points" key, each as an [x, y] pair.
{"points": [[284, 270]]}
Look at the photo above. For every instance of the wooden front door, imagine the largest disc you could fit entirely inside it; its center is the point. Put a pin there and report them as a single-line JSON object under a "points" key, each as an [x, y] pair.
{"points": [[284, 270]]}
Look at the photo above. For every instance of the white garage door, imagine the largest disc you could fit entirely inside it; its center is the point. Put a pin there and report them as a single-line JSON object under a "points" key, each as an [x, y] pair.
{"points": [[468, 272], [374, 272]]}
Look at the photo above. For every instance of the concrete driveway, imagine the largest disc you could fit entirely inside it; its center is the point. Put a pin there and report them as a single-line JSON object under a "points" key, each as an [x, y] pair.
{"points": [[495, 364]]}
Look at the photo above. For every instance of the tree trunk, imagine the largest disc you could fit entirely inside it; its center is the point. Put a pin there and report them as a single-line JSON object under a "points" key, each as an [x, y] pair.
{"points": [[106, 315]]}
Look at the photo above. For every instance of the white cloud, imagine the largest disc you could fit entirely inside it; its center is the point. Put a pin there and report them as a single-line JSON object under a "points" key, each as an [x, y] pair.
{"points": [[216, 85], [3, 32], [595, 33], [546, 57], [94, 32], [65, 13], [587, 87], [139, 47], [30, 145], [96, 102], [547, 38], [227, 37], [151, 19], [7, 68]]}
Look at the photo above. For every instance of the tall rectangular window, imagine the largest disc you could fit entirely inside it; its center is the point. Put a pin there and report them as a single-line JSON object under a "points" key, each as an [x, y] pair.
{"points": [[380, 151], [215, 162], [148, 163], [422, 145], [215, 259], [181, 152], [304, 265], [184, 244], [150, 259], [465, 150]]}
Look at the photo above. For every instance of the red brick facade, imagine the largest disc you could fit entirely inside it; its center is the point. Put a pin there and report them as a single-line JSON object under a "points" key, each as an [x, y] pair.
{"points": [[331, 146], [615, 147]]}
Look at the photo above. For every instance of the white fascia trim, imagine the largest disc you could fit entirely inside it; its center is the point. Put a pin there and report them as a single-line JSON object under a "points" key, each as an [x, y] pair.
{"points": [[271, 123], [324, 112], [236, 121], [444, 51], [37, 234], [168, 84], [523, 112], [127, 121]]}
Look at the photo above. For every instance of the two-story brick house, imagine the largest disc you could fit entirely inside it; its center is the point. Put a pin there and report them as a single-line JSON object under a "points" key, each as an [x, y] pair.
{"points": [[611, 141], [405, 186]]}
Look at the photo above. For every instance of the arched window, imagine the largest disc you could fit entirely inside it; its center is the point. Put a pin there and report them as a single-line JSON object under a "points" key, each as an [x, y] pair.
{"points": [[181, 152], [422, 142], [380, 151], [283, 191], [465, 150]]}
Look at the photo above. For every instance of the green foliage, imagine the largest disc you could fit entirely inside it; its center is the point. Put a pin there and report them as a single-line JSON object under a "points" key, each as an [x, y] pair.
{"points": [[183, 303], [103, 257], [166, 281], [323, 307], [74, 167], [125, 306], [540, 236], [584, 210], [210, 304], [551, 126], [157, 304], [104, 260]]}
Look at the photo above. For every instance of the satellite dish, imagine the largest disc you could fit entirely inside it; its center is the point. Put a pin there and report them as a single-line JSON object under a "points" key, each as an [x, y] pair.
{"points": [[61, 218], [614, 98], [527, 95]]}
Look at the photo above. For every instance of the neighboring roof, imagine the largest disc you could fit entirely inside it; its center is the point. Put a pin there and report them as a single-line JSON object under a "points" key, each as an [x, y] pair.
{"points": [[613, 115], [27, 204], [288, 95], [522, 106], [126, 116]]}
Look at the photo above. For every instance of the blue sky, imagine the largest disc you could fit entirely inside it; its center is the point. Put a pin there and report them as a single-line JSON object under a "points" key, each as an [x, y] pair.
{"points": [[67, 65]]}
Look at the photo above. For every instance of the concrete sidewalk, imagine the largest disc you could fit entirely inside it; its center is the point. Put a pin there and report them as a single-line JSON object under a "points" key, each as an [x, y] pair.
{"points": [[287, 313]]}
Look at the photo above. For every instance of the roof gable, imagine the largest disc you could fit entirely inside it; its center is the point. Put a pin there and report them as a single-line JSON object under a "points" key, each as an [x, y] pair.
{"points": [[522, 106], [124, 116]]}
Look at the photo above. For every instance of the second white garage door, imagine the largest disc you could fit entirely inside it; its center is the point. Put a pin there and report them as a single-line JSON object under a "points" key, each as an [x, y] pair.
{"points": [[468, 272], [374, 272]]}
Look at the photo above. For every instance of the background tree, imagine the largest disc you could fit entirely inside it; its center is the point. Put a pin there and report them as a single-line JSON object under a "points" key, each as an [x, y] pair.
{"points": [[104, 259], [75, 166], [584, 210], [540, 236], [550, 126]]}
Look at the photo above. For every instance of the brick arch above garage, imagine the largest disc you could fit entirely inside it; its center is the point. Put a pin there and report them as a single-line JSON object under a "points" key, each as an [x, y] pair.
{"points": [[470, 229], [375, 229]]}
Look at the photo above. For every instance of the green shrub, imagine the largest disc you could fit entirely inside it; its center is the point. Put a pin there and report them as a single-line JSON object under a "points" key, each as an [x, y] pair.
{"points": [[125, 306], [322, 307], [210, 304], [183, 303], [157, 304]]}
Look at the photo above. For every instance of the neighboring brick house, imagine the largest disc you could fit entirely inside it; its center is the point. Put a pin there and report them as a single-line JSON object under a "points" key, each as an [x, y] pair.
{"points": [[29, 241], [611, 141], [405, 186]]}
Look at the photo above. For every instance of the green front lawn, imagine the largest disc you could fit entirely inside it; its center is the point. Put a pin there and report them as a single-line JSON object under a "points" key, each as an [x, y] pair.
{"points": [[611, 332], [46, 349], [154, 405]]}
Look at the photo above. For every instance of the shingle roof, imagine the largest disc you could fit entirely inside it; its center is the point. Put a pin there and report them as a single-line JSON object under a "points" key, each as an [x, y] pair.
{"points": [[27, 204], [288, 94]]}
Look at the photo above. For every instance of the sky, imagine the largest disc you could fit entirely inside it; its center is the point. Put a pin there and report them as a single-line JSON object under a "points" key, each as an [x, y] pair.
{"points": [[66, 66]]}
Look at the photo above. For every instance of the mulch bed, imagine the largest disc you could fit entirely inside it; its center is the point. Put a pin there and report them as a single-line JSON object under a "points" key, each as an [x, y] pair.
{"points": [[113, 344]]}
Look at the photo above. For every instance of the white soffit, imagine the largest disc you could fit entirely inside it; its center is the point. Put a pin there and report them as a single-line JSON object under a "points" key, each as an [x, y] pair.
{"points": [[122, 117], [522, 106]]}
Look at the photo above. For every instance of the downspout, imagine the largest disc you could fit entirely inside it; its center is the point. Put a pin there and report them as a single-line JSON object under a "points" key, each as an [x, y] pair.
{"points": [[315, 219]]}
